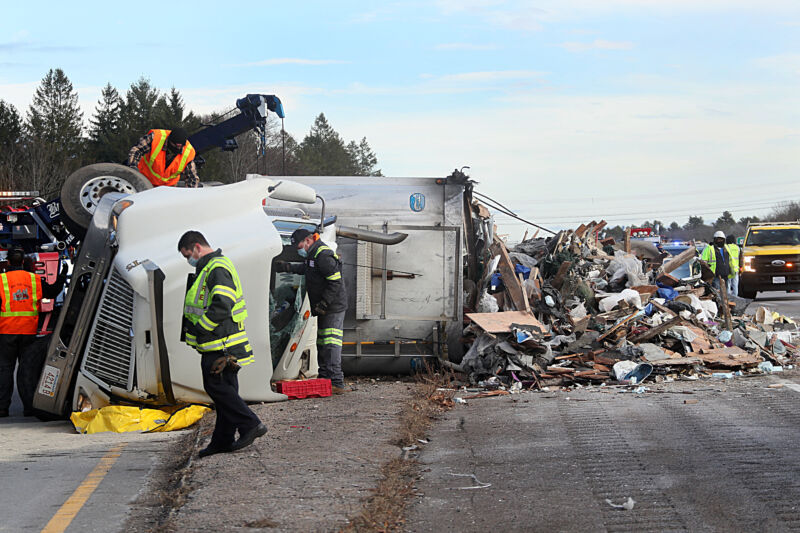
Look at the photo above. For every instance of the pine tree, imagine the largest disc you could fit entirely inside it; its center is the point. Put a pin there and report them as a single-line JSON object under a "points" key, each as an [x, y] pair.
{"points": [[105, 127], [10, 145], [53, 127], [323, 153]]}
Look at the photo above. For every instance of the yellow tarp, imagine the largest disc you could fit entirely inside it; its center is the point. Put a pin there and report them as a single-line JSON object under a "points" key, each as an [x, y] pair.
{"points": [[123, 418]]}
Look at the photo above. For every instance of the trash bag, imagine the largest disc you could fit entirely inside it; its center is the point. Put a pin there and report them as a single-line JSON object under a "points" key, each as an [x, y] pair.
{"points": [[124, 418], [626, 266], [487, 304], [630, 296]]}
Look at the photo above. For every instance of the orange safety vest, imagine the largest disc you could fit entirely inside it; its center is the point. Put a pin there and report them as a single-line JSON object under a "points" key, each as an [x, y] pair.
{"points": [[153, 164], [21, 294]]}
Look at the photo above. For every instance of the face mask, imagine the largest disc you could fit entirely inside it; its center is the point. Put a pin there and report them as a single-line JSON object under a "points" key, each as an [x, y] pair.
{"points": [[302, 252], [192, 261]]}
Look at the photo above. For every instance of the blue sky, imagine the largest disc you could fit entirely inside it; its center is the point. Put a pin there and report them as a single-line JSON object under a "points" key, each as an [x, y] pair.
{"points": [[565, 110]]}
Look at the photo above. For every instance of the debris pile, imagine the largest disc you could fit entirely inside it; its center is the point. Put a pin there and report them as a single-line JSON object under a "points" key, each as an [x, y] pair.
{"points": [[576, 309]]}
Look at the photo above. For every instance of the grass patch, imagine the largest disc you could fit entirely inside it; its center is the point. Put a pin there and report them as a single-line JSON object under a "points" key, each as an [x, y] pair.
{"points": [[385, 508]]}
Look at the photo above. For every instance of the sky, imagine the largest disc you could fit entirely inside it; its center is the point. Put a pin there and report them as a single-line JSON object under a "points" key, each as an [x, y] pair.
{"points": [[564, 110]]}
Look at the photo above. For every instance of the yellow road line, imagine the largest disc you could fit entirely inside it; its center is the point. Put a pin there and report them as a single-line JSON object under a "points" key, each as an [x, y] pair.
{"points": [[62, 519]]}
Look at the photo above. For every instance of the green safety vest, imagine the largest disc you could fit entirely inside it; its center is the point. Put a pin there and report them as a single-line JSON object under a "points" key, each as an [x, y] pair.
{"points": [[196, 303], [335, 275], [709, 255]]}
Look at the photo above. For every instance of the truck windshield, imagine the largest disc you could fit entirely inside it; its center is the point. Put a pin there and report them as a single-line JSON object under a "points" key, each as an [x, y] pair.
{"points": [[771, 237]]}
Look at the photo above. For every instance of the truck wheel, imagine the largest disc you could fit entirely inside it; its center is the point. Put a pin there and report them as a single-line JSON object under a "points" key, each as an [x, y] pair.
{"points": [[84, 188], [747, 293]]}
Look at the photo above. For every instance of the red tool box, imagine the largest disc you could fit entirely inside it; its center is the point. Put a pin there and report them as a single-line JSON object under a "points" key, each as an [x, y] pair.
{"points": [[306, 388]]}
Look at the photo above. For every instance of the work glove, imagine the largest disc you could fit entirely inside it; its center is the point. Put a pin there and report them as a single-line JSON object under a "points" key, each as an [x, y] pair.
{"points": [[281, 266], [221, 363], [321, 308]]}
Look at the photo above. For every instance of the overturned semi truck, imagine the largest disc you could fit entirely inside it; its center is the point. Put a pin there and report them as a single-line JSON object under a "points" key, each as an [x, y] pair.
{"points": [[118, 338]]}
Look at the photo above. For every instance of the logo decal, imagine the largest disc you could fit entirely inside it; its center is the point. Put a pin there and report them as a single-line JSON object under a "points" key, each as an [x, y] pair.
{"points": [[21, 295], [778, 263], [417, 202]]}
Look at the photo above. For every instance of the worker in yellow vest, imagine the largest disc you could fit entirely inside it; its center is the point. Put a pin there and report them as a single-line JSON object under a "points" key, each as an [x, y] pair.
{"points": [[20, 295], [214, 312], [735, 252], [717, 256], [163, 156]]}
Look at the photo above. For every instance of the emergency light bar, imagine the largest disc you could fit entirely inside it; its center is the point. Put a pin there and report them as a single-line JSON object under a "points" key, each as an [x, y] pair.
{"points": [[18, 195]]}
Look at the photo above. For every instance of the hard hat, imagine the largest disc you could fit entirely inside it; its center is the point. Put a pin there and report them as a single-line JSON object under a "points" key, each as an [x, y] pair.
{"points": [[718, 235]]}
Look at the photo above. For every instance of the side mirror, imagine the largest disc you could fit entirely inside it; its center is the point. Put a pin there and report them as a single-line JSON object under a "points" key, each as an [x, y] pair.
{"points": [[291, 191]]}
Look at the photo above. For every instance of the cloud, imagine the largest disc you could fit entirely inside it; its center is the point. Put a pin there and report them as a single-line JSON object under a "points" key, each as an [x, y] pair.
{"points": [[23, 46], [465, 46], [597, 44], [780, 63], [491, 76], [291, 61]]}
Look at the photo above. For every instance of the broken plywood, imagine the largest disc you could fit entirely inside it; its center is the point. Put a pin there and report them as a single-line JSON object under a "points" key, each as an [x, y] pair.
{"points": [[501, 322]]}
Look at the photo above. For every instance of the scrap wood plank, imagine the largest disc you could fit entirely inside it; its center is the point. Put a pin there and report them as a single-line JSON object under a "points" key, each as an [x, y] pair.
{"points": [[486, 394], [514, 287], [676, 361], [605, 360], [618, 325], [731, 357], [679, 260], [560, 370], [561, 274], [501, 322], [652, 332]]}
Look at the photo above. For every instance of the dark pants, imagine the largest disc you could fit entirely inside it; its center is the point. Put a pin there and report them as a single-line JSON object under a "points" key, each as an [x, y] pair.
{"points": [[232, 412], [30, 352], [329, 347]]}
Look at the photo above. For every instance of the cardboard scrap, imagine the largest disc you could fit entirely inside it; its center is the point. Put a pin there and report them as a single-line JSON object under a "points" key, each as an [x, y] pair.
{"points": [[501, 322]]}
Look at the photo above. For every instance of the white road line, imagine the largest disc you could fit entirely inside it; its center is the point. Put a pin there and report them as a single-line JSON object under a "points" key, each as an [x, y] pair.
{"points": [[788, 384]]}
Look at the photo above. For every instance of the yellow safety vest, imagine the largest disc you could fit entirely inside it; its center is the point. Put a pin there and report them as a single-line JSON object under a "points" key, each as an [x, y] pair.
{"points": [[196, 303]]}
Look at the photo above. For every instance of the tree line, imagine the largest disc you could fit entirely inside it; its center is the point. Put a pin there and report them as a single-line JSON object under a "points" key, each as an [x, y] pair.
{"points": [[697, 229], [40, 149]]}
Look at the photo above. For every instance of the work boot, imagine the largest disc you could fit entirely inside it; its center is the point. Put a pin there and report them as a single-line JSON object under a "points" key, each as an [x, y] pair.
{"points": [[212, 449], [335, 389], [248, 438]]}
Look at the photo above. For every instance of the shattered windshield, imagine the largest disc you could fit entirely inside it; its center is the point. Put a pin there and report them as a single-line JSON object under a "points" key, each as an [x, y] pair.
{"points": [[772, 237]]}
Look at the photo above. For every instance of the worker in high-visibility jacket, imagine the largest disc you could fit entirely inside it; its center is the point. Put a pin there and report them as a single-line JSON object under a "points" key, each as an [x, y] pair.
{"points": [[719, 259], [735, 252], [214, 312], [328, 298], [163, 156], [20, 295]]}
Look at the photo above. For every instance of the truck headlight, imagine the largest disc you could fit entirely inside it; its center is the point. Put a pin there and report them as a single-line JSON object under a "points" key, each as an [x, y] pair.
{"points": [[748, 264]]}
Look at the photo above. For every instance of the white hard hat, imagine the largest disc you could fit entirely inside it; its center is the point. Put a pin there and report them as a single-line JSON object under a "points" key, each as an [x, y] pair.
{"points": [[718, 235]]}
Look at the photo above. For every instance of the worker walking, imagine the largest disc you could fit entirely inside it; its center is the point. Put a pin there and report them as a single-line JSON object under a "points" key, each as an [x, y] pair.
{"points": [[735, 252], [21, 293], [326, 293], [163, 156], [214, 313], [718, 257]]}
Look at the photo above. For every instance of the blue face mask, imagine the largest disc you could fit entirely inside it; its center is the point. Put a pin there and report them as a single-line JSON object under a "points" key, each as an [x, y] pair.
{"points": [[192, 261], [302, 252]]}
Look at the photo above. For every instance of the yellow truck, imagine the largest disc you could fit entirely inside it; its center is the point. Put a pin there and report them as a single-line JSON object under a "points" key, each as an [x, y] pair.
{"points": [[770, 258]]}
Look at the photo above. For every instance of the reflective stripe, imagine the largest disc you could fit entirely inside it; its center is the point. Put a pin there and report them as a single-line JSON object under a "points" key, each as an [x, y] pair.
{"points": [[325, 247], [160, 139], [334, 276], [330, 331], [189, 310], [244, 361], [219, 344], [330, 340], [207, 324], [7, 298]]}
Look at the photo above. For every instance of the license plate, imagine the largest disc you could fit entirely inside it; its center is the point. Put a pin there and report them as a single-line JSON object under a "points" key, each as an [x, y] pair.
{"points": [[778, 279], [47, 386]]}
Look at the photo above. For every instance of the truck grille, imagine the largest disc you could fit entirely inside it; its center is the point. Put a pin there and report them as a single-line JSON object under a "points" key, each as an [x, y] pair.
{"points": [[763, 264], [109, 352]]}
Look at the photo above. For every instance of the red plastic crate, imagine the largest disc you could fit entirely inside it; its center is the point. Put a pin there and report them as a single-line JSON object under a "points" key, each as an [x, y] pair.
{"points": [[306, 388]]}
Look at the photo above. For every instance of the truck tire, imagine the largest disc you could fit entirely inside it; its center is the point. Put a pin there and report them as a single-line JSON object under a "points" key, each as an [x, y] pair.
{"points": [[745, 292], [83, 189]]}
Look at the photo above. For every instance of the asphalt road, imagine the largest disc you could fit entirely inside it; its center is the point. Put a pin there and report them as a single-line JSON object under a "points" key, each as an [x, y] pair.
{"points": [[43, 465], [710, 455], [785, 303]]}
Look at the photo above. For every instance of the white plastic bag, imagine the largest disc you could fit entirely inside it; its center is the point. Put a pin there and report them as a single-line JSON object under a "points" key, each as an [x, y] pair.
{"points": [[630, 296]]}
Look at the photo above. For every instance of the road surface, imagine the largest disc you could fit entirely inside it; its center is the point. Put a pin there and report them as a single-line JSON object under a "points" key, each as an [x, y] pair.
{"points": [[711, 455], [787, 304]]}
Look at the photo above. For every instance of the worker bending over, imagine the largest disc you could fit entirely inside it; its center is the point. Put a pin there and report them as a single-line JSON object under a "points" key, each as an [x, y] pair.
{"points": [[214, 312], [163, 156], [328, 299]]}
